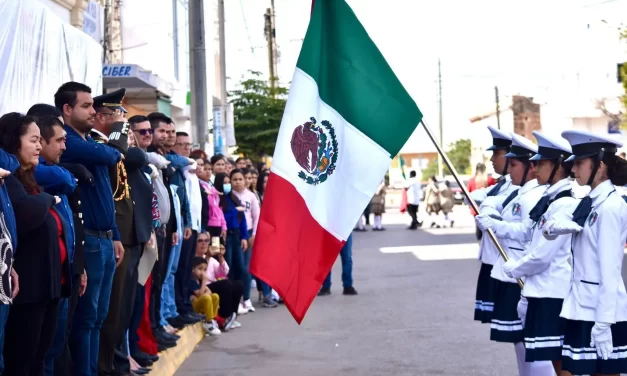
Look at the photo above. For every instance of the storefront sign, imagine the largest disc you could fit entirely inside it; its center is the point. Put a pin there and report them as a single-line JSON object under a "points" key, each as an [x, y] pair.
{"points": [[118, 70]]}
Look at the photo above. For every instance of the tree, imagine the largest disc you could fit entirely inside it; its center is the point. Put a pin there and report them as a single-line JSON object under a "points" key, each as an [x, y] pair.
{"points": [[459, 154], [258, 110], [623, 74]]}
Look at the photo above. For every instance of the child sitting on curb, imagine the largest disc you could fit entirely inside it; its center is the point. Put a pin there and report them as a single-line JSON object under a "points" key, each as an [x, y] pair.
{"points": [[203, 300]]}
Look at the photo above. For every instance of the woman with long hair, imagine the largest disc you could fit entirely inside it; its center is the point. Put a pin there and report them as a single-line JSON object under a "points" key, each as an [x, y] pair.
{"points": [[41, 259]]}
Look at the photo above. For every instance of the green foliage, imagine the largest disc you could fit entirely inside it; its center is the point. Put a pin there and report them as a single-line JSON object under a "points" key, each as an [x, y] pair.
{"points": [[258, 110], [459, 154], [623, 73]]}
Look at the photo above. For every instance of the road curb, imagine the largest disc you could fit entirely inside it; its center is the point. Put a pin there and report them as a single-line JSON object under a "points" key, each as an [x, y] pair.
{"points": [[171, 359]]}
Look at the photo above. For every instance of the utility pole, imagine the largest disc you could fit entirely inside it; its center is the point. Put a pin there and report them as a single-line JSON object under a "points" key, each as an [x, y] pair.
{"points": [[270, 31], [198, 71], [219, 125], [440, 161], [498, 108]]}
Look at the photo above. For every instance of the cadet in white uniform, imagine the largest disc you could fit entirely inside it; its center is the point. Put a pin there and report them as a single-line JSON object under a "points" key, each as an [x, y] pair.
{"points": [[595, 309], [506, 325], [546, 264], [486, 286]]}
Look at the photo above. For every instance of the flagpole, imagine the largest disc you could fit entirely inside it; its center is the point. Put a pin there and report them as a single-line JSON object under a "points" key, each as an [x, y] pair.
{"points": [[451, 168]]}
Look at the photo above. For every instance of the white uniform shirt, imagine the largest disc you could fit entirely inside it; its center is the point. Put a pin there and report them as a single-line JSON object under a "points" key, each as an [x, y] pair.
{"points": [[597, 292], [488, 254], [414, 191], [192, 186], [546, 264], [515, 212]]}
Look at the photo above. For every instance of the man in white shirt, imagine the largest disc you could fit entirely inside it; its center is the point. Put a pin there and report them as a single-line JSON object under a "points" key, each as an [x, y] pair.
{"points": [[414, 192]]}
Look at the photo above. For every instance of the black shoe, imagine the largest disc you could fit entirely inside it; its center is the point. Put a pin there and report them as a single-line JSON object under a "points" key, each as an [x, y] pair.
{"points": [[142, 371], [142, 359], [153, 358], [167, 335], [324, 291], [160, 348], [165, 343], [176, 322], [349, 291], [143, 355], [193, 319]]}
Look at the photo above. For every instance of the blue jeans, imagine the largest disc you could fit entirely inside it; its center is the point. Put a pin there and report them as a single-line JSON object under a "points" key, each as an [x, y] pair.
{"points": [[236, 260], [93, 306], [346, 254], [4, 314], [168, 304], [58, 343]]}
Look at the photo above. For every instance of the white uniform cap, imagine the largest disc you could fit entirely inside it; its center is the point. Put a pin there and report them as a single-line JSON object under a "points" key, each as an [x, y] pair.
{"points": [[551, 147]]}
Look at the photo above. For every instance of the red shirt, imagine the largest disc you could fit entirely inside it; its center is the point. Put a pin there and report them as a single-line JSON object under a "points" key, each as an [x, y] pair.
{"points": [[62, 248], [472, 186]]}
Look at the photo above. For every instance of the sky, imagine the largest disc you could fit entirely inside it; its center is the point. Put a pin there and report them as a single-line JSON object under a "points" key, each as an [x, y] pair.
{"points": [[548, 49]]}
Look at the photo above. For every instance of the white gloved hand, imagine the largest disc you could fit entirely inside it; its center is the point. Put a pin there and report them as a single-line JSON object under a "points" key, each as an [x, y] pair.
{"points": [[485, 221], [154, 171], [602, 339], [555, 227], [191, 161], [158, 160], [508, 267], [521, 308]]}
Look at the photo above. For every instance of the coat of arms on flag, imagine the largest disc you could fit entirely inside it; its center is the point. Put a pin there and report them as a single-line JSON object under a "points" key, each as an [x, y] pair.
{"points": [[315, 149]]}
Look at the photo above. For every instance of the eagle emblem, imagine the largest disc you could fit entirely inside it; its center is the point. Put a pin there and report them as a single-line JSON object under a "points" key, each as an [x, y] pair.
{"points": [[516, 209], [315, 150], [592, 218]]}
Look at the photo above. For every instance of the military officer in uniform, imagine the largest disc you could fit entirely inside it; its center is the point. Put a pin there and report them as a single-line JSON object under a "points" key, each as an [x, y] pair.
{"points": [[546, 264], [595, 307], [488, 254], [111, 128], [506, 325]]}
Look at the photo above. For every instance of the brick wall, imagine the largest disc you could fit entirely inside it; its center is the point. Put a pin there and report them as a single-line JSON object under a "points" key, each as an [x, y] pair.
{"points": [[526, 116]]}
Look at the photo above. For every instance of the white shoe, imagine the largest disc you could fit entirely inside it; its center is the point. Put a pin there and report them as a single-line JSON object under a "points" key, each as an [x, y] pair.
{"points": [[253, 284], [241, 310], [249, 306], [236, 324], [211, 328]]}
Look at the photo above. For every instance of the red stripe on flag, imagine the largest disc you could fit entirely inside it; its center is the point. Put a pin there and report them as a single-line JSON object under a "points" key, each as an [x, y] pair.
{"points": [[292, 252]]}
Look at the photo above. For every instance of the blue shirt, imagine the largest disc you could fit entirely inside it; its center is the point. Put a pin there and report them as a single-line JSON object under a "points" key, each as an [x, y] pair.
{"points": [[59, 182], [10, 163], [178, 163], [232, 218], [96, 198]]}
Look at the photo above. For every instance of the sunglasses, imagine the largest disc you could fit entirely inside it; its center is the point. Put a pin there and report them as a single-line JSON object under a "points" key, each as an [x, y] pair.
{"points": [[144, 132], [203, 240]]}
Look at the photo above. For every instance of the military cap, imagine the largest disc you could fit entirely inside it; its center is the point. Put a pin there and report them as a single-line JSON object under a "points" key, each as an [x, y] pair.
{"points": [[587, 144], [111, 100], [500, 140], [521, 148], [551, 148]]}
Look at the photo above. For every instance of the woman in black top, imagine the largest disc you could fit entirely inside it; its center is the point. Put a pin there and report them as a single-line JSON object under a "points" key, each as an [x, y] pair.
{"points": [[41, 256]]}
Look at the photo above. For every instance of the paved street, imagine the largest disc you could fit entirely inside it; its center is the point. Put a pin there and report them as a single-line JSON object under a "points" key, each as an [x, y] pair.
{"points": [[413, 316]]}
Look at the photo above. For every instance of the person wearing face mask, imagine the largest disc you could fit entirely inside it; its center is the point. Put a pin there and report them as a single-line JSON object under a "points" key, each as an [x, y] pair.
{"points": [[595, 307]]}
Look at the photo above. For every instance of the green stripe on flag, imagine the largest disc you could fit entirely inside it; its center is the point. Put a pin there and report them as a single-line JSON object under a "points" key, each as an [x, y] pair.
{"points": [[354, 78]]}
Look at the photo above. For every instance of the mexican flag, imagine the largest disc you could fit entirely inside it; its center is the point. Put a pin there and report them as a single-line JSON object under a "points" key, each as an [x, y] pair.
{"points": [[347, 115]]}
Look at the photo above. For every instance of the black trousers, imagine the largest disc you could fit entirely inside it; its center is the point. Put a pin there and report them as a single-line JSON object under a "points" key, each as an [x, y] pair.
{"points": [[136, 317], [30, 330], [164, 247], [184, 274], [111, 332], [230, 293], [412, 210], [63, 362], [121, 363]]}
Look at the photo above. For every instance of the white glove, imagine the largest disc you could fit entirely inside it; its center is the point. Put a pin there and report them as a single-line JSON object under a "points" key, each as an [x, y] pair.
{"points": [[556, 227], [508, 267], [154, 171], [158, 160], [484, 222], [521, 308], [602, 339], [191, 161]]}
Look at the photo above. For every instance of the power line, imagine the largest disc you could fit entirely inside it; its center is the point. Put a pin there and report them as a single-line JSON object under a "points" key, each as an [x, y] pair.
{"points": [[250, 41]]}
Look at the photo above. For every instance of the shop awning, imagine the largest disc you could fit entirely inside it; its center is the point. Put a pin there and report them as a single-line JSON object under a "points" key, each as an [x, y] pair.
{"points": [[130, 76]]}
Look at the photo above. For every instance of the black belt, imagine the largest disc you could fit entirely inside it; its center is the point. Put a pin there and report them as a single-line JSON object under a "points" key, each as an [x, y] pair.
{"points": [[100, 234]]}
